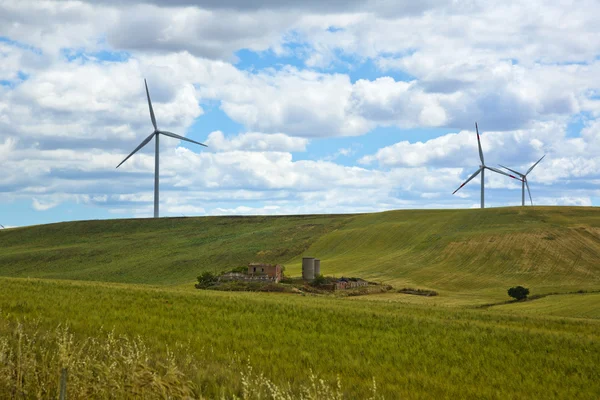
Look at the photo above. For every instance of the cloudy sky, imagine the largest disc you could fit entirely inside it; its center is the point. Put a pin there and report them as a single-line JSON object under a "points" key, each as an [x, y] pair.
{"points": [[307, 107]]}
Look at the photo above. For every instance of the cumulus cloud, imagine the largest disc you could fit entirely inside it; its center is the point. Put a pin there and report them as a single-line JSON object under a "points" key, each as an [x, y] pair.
{"points": [[461, 148], [385, 8], [94, 105], [72, 102], [256, 141], [568, 162], [201, 32], [43, 206]]}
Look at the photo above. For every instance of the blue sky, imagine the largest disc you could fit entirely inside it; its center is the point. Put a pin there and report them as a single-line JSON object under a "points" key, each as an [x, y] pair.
{"points": [[306, 107]]}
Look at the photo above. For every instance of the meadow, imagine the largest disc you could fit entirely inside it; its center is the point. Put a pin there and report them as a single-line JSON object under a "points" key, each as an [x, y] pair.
{"points": [[412, 351], [133, 280], [452, 251]]}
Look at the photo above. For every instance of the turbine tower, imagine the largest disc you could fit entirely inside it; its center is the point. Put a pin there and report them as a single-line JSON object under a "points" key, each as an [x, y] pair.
{"points": [[481, 171], [524, 180], [156, 134]]}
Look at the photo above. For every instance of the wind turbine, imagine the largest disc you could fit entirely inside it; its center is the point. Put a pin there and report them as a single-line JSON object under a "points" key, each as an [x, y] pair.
{"points": [[156, 136], [481, 171], [524, 180]]}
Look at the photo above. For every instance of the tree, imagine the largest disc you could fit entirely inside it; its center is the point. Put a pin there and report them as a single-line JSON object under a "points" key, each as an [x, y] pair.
{"points": [[518, 292], [319, 280], [205, 280]]}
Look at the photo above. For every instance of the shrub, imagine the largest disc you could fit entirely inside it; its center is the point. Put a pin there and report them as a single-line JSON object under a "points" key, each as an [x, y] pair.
{"points": [[273, 287], [206, 280], [319, 280], [518, 292], [418, 292]]}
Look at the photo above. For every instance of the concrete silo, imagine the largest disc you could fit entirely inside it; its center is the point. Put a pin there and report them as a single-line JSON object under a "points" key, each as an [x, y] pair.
{"points": [[308, 268], [317, 267]]}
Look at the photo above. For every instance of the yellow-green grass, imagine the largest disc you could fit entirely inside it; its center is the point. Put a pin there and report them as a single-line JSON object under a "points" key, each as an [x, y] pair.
{"points": [[141, 275], [155, 251], [457, 251], [412, 351], [586, 305], [469, 256]]}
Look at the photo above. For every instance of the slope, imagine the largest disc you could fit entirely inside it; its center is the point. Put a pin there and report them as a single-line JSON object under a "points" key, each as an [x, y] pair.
{"points": [[548, 247], [163, 251], [448, 250]]}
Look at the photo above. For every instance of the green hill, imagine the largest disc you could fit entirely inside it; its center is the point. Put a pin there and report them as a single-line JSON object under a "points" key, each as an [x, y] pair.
{"points": [[486, 348], [448, 250]]}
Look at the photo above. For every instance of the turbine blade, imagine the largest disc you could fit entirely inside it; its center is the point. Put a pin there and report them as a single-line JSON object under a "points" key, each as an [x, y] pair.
{"points": [[502, 172], [173, 135], [145, 142], [468, 180], [150, 106], [533, 166], [479, 144], [2, 226], [528, 191], [511, 170]]}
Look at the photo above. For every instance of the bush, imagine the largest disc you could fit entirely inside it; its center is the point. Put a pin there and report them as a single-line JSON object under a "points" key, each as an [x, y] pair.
{"points": [[273, 287], [418, 292], [207, 279], [319, 280], [518, 292]]}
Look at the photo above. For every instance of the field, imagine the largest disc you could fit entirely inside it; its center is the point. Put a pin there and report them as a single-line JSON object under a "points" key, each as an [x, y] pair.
{"points": [[135, 278], [412, 351], [453, 250]]}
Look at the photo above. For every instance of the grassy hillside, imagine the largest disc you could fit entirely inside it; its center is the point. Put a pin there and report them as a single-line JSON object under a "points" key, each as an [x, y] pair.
{"points": [[411, 345], [545, 247], [548, 248], [585, 305], [163, 251]]}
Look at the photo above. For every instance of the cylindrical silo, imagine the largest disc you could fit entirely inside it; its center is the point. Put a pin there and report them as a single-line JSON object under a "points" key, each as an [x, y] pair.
{"points": [[317, 267], [308, 268]]}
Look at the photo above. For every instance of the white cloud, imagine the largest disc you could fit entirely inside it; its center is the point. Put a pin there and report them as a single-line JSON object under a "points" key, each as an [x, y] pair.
{"points": [[65, 124], [255, 141], [585, 201], [43, 206], [298, 102], [456, 149]]}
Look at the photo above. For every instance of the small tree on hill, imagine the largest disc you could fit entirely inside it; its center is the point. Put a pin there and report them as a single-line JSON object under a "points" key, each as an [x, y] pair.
{"points": [[518, 292]]}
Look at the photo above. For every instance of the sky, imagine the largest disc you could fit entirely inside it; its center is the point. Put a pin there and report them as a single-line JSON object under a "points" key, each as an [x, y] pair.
{"points": [[306, 107]]}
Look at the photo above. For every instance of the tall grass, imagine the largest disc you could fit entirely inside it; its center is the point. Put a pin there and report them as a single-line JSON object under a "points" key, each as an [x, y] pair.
{"points": [[414, 352], [103, 367], [108, 366]]}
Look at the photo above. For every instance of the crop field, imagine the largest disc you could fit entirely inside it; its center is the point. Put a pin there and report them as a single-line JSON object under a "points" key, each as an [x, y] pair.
{"points": [[412, 351], [570, 305], [133, 280]]}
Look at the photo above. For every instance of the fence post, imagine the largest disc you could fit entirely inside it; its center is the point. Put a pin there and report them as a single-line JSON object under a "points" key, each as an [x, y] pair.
{"points": [[63, 384]]}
